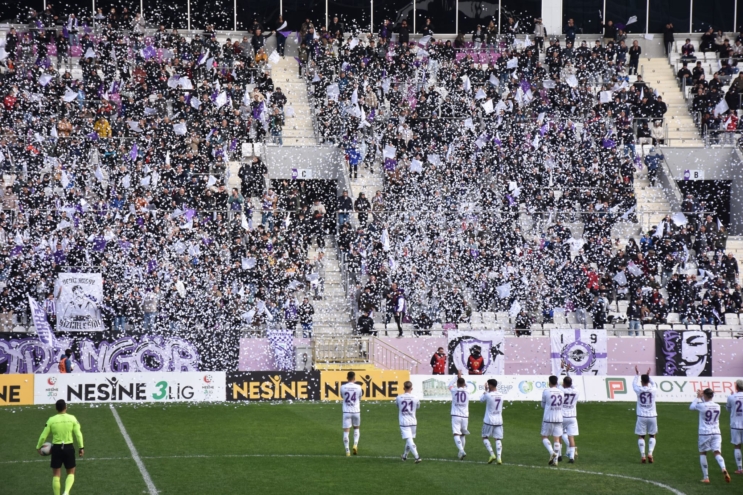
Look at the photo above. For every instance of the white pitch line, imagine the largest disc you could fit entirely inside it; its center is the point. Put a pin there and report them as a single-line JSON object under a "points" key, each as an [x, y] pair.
{"points": [[327, 456], [138, 460]]}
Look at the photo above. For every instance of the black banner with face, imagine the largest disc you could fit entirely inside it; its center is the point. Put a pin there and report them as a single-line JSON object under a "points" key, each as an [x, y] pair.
{"points": [[683, 352]]}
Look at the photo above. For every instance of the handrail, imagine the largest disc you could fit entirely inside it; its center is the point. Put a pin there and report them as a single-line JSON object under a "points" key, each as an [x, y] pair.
{"points": [[385, 356], [340, 349]]}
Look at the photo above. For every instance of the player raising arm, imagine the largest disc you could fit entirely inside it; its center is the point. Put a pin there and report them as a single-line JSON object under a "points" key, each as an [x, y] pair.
{"points": [[735, 407], [62, 427], [709, 431], [460, 413], [492, 425], [408, 404], [647, 417], [552, 399], [569, 417], [351, 393]]}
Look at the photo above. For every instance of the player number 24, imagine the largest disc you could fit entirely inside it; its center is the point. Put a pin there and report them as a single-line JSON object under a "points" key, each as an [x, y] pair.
{"points": [[350, 398]]}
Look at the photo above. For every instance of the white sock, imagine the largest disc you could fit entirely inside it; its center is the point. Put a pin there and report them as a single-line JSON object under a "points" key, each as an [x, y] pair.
{"points": [[458, 442], [557, 448], [703, 462], [345, 439], [641, 444], [356, 434], [548, 446], [412, 448], [565, 442], [498, 448], [464, 441], [486, 442], [571, 452], [651, 445], [720, 461], [739, 459], [405, 454]]}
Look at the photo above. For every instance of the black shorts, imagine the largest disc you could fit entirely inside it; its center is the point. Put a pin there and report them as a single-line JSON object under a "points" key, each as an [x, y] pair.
{"points": [[63, 454]]}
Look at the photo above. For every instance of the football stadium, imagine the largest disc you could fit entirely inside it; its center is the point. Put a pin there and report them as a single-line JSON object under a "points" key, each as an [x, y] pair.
{"points": [[363, 246]]}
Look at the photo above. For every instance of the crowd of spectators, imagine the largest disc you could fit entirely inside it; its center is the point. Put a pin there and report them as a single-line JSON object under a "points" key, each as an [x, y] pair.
{"points": [[122, 169], [472, 141]]}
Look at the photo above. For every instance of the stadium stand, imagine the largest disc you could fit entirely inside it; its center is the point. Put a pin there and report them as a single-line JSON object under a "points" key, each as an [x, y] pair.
{"points": [[500, 185]]}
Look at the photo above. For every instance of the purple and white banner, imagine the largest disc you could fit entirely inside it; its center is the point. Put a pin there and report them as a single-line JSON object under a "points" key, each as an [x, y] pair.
{"points": [[94, 354], [282, 346], [41, 323], [583, 350], [79, 297], [477, 352]]}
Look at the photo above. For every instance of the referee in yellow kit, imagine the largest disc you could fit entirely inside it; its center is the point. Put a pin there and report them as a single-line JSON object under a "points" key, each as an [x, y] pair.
{"points": [[62, 427]]}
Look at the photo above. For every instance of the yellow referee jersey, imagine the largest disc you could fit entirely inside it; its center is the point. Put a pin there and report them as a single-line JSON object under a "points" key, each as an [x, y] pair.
{"points": [[62, 427]]}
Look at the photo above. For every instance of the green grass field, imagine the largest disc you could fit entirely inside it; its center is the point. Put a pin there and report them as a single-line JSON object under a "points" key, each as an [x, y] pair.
{"points": [[297, 448]]}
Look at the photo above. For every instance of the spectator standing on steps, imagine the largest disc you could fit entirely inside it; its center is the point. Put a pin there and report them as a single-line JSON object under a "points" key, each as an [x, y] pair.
{"points": [[653, 161], [306, 315]]}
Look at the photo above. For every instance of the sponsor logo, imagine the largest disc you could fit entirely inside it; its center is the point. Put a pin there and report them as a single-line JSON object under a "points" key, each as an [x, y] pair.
{"points": [[208, 378], [526, 387], [51, 380], [615, 386], [377, 385], [112, 390], [166, 391], [16, 390], [273, 386]]}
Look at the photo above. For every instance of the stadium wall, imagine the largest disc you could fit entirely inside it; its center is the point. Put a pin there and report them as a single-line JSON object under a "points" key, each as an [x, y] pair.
{"points": [[524, 355]]}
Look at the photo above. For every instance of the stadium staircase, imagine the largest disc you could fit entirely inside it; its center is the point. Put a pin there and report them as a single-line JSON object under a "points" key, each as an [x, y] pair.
{"points": [[298, 129], [661, 76]]}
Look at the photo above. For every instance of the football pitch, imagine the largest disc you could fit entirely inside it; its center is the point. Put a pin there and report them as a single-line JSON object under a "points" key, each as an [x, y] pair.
{"points": [[297, 448]]}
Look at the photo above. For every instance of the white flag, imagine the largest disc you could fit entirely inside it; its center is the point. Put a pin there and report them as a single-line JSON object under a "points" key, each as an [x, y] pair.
{"points": [[480, 94], [631, 20], [504, 290], [416, 166], [127, 181], [721, 107], [620, 278], [274, 58], [513, 63], [44, 79], [389, 151], [488, 107], [221, 99], [69, 95], [180, 129], [89, 53]]}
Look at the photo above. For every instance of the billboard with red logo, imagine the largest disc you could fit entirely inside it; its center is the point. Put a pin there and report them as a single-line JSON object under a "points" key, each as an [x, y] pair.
{"points": [[130, 387]]}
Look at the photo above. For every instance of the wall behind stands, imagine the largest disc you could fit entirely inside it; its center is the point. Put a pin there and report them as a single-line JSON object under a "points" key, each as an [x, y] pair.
{"points": [[717, 164], [524, 355], [324, 161]]}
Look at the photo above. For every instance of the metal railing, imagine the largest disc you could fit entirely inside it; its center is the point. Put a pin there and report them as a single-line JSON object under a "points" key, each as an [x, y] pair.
{"points": [[387, 357], [341, 349]]}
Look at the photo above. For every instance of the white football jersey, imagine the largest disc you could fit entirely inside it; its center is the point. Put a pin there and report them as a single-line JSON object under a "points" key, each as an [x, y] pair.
{"points": [[735, 407], [570, 397], [351, 394], [493, 408], [709, 416], [460, 402], [645, 398], [407, 404], [552, 399]]}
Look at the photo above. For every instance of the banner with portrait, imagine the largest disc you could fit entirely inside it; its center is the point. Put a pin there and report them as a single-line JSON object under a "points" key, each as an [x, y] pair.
{"points": [[683, 352], [479, 352], [79, 297], [584, 351]]}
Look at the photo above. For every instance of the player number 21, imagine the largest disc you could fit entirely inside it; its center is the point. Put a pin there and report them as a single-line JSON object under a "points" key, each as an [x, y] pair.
{"points": [[407, 406]]}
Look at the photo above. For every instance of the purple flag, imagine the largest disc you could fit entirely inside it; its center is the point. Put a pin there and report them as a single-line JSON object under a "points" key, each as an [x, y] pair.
{"points": [[99, 244], [233, 145], [151, 266], [189, 214], [93, 136], [510, 199], [134, 152], [285, 34], [525, 86], [148, 52]]}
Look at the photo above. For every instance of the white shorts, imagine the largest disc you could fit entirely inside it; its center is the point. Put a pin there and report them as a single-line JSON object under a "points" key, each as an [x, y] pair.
{"points": [[492, 431], [570, 426], [646, 426], [736, 436], [710, 443], [459, 425], [551, 429], [407, 432], [351, 419]]}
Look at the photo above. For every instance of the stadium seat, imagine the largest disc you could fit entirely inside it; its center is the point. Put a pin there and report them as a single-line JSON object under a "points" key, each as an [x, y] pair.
{"points": [[673, 319], [665, 327], [560, 320], [622, 307], [732, 319], [572, 318], [549, 326], [693, 327]]}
